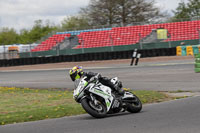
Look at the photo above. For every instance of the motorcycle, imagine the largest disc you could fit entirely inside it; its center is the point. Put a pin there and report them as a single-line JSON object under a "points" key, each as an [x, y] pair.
{"points": [[99, 100]]}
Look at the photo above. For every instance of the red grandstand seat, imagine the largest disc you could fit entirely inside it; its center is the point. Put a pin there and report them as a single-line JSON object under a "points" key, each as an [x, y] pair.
{"points": [[50, 42]]}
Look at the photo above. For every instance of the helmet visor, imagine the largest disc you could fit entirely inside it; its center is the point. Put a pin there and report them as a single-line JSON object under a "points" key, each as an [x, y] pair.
{"points": [[73, 76]]}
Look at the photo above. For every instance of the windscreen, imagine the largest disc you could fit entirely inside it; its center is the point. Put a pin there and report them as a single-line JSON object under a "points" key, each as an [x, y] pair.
{"points": [[76, 83]]}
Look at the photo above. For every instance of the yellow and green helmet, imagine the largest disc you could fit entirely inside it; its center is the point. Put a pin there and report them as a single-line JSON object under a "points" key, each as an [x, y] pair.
{"points": [[76, 72]]}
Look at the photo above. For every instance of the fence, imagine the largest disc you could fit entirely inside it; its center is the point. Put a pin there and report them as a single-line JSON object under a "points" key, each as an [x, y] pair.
{"points": [[13, 51]]}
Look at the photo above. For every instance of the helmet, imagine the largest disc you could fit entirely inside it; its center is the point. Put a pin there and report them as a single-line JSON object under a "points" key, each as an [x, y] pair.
{"points": [[76, 72]]}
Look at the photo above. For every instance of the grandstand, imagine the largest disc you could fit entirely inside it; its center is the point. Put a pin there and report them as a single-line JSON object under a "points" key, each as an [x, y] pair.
{"points": [[50, 42], [130, 35]]}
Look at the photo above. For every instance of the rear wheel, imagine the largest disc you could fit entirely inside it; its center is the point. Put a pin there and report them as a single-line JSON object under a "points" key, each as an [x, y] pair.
{"points": [[97, 111], [135, 105]]}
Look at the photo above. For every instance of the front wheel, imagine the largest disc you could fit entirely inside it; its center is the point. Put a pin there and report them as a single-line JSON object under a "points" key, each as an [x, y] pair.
{"points": [[97, 111], [135, 105]]}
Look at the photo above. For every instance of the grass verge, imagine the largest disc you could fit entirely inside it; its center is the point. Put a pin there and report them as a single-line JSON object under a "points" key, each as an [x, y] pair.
{"points": [[24, 104]]}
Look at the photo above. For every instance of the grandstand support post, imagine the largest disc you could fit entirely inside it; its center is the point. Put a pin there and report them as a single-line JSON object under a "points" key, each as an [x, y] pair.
{"points": [[199, 35], [58, 50], [82, 42], [111, 42], [30, 51], [140, 37], [170, 45], [4, 52]]}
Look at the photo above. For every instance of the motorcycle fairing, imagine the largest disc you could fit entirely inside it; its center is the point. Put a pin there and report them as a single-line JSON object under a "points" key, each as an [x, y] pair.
{"points": [[104, 92]]}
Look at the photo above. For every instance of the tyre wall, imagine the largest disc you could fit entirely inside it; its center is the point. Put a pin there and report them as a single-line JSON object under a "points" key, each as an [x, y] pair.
{"points": [[88, 57], [187, 50]]}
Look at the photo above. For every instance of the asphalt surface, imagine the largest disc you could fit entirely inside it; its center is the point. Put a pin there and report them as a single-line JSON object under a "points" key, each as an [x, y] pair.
{"points": [[164, 76], [180, 116]]}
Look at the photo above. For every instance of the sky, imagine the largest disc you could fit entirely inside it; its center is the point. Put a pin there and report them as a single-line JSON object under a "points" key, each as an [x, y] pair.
{"points": [[19, 14]]}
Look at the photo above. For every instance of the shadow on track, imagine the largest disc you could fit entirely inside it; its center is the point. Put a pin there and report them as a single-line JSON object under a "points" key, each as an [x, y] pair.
{"points": [[88, 117]]}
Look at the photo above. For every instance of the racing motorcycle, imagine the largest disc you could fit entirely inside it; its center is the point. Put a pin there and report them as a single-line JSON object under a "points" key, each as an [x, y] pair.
{"points": [[99, 100]]}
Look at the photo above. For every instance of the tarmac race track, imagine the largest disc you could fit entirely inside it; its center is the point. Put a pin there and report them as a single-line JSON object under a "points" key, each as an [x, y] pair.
{"points": [[165, 76], [178, 116]]}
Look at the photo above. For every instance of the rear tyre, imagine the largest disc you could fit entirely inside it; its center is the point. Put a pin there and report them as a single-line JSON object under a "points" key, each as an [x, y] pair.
{"points": [[97, 111], [135, 106]]}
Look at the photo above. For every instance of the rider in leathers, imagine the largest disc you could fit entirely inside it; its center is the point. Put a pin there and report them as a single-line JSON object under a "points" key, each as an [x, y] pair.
{"points": [[77, 72]]}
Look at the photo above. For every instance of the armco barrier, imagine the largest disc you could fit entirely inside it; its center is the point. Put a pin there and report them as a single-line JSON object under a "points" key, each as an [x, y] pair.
{"points": [[88, 57], [184, 52], [178, 51], [195, 49], [187, 50]]}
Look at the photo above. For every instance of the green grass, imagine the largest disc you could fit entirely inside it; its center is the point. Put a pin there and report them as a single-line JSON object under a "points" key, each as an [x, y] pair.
{"points": [[21, 105], [148, 96], [24, 104], [178, 91]]}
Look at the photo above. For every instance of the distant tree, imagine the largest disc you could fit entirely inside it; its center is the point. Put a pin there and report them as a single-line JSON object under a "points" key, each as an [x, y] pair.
{"points": [[101, 12], [104, 12], [186, 11], [131, 11], [74, 22], [39, 30], [194, 8], [24, 37], [36, 32], [8, 36]]}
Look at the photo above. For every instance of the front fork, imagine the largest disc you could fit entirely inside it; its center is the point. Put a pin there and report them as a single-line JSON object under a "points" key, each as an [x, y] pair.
{"points": [[93, 99]]}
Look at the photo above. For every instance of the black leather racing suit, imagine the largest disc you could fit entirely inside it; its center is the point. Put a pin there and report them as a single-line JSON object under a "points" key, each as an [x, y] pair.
{"points": [[105, 81]]}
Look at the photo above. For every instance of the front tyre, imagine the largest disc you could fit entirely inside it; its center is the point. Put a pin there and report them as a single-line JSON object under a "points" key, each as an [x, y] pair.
{"points": [[97, 111], [135, 105]]}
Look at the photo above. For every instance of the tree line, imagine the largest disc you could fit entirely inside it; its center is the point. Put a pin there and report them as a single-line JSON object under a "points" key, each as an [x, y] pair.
{"points": [[10, 36], [103, 12]]}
